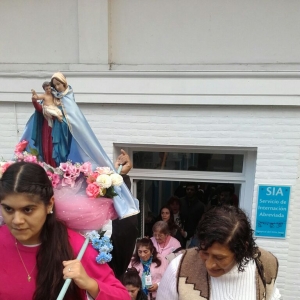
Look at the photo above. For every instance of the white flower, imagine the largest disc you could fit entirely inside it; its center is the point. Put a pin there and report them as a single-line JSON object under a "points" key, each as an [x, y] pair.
{"points": [[116, 179], [104, 181]]}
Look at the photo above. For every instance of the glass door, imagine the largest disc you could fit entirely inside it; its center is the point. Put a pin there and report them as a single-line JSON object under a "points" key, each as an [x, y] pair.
{"points": [[153, 194]]}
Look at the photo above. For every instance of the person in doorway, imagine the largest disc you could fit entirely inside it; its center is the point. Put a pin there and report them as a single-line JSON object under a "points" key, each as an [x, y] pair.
{"points": [[227, 265], [177, 232], [224, 195], [192, 209], [162, 240], [150, 265], [38, 251], [174, 204]]}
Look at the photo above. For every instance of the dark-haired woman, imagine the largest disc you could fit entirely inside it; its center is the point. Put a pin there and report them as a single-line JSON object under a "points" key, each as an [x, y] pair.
{"points": [[37, 251], [177, 232], [132, 281], [227, 265], [150, 266]]}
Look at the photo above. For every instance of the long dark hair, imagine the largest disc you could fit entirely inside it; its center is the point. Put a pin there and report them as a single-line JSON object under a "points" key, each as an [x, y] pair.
{"points": [[132, 277], [228, 225], [31, 180], [145, 242], [171, 223]]}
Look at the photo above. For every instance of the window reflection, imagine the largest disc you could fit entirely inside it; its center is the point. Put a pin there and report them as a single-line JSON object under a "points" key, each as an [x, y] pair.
{"points": [[188, 161]]}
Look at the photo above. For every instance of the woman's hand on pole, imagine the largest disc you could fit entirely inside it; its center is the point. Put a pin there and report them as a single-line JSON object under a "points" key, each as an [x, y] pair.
{"points": [[74, 270]]}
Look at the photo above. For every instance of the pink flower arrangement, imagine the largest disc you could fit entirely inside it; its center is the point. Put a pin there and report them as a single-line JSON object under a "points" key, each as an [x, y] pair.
{"points": [[70, 173], [54, 178], [22, 155], [100, 182]]}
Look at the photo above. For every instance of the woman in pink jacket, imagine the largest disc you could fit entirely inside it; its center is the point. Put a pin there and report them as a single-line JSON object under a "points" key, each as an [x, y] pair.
{"points": [[150, 266], [162, 239]]}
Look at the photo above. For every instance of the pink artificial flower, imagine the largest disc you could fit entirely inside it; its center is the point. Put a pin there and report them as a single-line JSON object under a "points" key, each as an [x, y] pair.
{"points": [[92, 190], [30, 158], [64, 166], [50, 176], [55, 180], [5, 166], [67, 174], [92, 177], [21, 146], [86, 168], [103, 170], [73, 170], [19, 156], [68, 182]]}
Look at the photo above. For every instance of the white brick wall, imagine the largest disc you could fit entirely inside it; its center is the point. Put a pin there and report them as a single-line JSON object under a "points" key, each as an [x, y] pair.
{"points": [[273, 130]]}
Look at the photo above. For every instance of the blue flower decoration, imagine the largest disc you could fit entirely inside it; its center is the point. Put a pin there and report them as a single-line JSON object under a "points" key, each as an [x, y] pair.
{"points": [[105, 240], [103, 245], [96, 243], [103, 258]]}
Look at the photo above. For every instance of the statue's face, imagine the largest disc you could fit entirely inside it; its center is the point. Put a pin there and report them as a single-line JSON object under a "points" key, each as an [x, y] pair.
{"points": [[48, 89], [58, 85]]}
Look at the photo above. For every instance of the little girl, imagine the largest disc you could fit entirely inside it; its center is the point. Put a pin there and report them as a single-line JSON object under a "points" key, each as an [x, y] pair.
{"points": [[132, 281]]}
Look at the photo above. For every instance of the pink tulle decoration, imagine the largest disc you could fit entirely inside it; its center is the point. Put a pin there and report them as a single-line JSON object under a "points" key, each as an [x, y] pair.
{"points": [[81, 213]]}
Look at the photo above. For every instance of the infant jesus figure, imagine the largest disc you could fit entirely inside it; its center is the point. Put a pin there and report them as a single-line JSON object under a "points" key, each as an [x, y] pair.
{"points": [[49, 104]]}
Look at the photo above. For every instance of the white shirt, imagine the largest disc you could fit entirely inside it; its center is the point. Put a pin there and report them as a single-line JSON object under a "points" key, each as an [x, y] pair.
{"points": [[233, 285]]}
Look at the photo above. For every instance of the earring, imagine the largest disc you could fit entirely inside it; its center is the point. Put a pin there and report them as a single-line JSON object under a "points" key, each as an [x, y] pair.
{"points": [[50, 212]]}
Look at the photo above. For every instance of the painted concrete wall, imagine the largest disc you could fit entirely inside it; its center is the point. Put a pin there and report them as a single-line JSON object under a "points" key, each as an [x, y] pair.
{"points": [[158, 34], [205, 32]]}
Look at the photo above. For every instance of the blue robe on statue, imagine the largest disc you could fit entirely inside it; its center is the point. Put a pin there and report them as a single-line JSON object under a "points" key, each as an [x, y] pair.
{"points": [[73, 139]]}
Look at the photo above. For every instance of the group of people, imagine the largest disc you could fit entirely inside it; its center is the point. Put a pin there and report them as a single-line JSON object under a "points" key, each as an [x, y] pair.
{"points": [[184, 213], [38, 251], [226, 263], [222, 262]]}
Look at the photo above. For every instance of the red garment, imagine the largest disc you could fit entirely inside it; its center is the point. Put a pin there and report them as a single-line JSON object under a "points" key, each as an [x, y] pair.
{"points": [[13, 277], [46, 137]]}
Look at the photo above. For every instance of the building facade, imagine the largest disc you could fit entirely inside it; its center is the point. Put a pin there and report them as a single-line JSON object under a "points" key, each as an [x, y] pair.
{"points": [[172, 82]]}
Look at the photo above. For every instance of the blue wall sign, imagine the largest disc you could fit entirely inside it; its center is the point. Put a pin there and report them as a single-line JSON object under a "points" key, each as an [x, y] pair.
{"points": [[272, 211]]}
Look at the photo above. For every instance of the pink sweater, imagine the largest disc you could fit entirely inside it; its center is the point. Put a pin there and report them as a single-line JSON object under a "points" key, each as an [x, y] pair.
{"points": [[156, 273], [167, 249], [13, 277]]}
